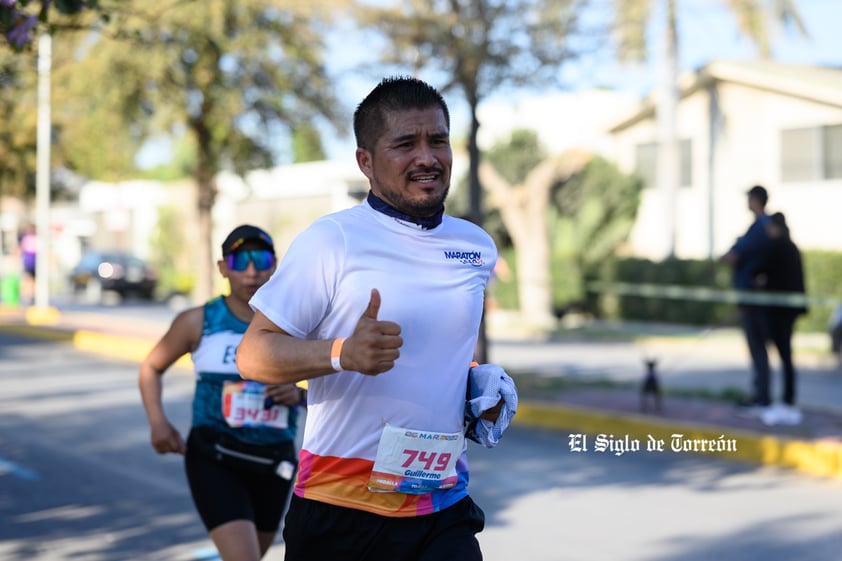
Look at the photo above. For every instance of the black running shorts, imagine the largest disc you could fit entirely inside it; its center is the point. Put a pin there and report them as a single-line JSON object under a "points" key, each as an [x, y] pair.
{"points": [[224, 492], [316, 531]]}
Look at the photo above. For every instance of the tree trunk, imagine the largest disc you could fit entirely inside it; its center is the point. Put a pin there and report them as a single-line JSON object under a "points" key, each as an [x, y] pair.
{"points": [[206, 197], [523, 209], [527, 225], [204, 254], [477, 216]]}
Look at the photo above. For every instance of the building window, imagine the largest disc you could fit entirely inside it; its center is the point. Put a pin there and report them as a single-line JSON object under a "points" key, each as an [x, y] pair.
{"points": [[832, 151], [646, 162], [811, 153]]}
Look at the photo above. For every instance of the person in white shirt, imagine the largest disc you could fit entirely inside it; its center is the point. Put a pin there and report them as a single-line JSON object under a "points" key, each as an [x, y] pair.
{"points": [[379, 308]]}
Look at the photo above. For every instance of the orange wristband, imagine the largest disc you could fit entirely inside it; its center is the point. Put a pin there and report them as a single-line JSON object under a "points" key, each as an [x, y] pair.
{"points": [[335, 353]]}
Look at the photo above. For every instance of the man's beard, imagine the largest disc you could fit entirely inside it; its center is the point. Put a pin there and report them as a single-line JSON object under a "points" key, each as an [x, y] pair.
{"points": [[427, 209], [418, 209]]}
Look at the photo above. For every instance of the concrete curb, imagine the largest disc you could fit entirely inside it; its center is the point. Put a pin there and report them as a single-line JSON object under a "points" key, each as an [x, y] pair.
{"points": [[120, 347], [822, 458]]}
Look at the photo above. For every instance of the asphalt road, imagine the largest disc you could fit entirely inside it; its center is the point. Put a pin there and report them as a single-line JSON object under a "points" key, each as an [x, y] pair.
{"points": [[689, 358], [79, 481]]}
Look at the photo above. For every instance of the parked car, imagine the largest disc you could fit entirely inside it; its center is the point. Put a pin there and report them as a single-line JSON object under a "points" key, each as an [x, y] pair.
{"points": [[99, 273]]}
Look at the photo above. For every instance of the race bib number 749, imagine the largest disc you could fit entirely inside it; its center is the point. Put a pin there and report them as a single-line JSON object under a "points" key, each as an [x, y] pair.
{"points": [[415, 462]]}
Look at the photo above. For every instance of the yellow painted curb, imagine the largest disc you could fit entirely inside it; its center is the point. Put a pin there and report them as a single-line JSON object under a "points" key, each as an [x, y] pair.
{"points": [[133, 349], [122, 347], [821, 458], [44, 315], [36, 332]]}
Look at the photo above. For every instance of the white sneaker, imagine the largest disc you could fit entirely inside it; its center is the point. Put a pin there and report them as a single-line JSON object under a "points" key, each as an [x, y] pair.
{"points": [[781, 414], [753, 411], [792, 416]]}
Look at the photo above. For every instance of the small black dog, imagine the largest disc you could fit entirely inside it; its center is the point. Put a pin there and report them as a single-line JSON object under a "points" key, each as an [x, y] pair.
{"points": [[651, 387]]}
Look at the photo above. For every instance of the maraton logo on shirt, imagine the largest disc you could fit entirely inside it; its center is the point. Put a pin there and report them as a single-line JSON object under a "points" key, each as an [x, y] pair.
{"points": [[473, 258]]}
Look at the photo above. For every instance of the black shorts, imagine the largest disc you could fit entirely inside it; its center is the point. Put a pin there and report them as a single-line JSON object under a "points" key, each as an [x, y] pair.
{"points": [[316, 531], [226, 489]]}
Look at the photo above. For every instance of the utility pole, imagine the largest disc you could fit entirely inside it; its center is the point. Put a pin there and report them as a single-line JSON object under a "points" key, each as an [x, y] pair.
{"points": [[42, 178], [667, 161]]}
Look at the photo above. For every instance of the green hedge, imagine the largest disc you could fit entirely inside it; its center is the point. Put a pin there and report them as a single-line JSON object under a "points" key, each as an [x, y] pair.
{"points": [[681, 272], [823, 276], [822, 271]]}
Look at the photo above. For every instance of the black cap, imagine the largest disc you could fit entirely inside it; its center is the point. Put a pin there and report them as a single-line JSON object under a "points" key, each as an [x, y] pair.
{"points": [[243, 234], [759, 192]]}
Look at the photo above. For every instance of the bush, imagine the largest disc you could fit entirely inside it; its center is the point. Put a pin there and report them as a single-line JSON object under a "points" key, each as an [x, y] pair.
{"points": [[823, 277], [606, 297], [660, 306]]}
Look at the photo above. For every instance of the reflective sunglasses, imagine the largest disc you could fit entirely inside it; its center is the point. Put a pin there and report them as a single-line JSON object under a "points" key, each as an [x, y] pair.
{"points": [[263, 260]]}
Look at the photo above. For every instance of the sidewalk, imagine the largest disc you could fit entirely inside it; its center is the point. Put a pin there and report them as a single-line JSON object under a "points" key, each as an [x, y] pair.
{"points": [[582, 382]]}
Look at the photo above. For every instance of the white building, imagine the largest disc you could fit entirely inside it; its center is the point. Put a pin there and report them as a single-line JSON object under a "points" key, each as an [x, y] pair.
{"points": [[284, 200], [741, 124]]}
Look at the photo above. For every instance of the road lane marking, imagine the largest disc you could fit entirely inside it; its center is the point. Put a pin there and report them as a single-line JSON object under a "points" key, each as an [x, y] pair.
{"points": [[11, 468]]}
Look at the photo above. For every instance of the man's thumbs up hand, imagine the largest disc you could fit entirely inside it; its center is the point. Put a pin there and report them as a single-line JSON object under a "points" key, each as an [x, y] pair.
{"points": [[373, 348], [373, 305]]}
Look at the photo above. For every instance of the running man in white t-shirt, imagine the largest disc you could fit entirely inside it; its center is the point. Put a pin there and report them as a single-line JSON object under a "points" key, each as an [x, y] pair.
{"points": [[379, 308]]}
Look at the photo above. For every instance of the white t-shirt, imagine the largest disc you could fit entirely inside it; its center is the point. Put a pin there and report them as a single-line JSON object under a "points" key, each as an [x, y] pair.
{"points": [[432, 284]]}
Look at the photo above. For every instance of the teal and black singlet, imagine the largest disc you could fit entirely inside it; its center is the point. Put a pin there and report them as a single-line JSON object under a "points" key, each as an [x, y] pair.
{"points": [[215, 364]]}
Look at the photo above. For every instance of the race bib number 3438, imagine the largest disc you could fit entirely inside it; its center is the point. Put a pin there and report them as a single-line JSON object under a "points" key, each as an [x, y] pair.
{"points": [[414, 461]]}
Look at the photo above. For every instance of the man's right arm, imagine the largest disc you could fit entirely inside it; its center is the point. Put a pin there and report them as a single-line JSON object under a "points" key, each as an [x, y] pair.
{"points": [[270, 355]]}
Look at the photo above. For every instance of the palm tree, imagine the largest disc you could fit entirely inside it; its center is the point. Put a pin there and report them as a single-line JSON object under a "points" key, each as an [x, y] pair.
{"points": [[632, 17]]}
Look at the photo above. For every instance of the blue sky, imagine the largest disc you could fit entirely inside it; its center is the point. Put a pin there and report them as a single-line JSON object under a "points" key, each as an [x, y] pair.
{"points": [[707, 31]]}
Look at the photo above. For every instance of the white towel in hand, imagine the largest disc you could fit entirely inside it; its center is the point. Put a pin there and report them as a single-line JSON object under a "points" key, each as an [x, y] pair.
{"points": [[487, 383]]}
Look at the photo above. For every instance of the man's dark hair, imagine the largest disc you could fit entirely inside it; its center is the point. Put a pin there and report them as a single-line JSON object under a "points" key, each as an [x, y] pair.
{"points": [[759, 192], [396, 93]]}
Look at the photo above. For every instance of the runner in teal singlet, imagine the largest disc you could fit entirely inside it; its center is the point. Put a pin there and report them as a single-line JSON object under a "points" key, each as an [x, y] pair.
{"points": [[240, 457]]}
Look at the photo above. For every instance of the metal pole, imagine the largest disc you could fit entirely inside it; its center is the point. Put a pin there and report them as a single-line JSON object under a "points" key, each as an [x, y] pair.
{"points": [[42, 178], [668, 171]]}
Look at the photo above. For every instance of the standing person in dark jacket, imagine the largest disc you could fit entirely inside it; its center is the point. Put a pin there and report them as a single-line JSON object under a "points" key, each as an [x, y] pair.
{"points": [[781, 272], [745, 257]]}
